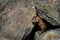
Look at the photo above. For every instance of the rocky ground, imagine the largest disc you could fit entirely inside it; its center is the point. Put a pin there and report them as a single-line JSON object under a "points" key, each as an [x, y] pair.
{"points": [[16, 16]]}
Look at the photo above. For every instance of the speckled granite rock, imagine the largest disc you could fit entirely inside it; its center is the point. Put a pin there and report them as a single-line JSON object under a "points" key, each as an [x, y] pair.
{"points": [[48, 12], [49, 35], [16, 17]]}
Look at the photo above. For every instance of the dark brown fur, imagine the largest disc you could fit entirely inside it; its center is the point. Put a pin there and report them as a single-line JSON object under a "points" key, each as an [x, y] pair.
{"points": [[41, 25]]}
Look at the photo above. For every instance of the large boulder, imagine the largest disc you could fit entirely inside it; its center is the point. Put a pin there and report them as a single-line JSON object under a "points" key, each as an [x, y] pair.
{"points": [[48, 12], [49, 35], [15, 18]]}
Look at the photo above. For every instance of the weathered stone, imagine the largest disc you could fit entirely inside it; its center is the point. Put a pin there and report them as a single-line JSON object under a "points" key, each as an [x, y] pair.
{"points": [[49, 35], [16, 18], [48, 12]]}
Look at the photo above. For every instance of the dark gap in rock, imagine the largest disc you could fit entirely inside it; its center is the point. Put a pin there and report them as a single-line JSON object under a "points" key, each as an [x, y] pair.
{"points": [[49, 27], [0, 28], [32, 33]]}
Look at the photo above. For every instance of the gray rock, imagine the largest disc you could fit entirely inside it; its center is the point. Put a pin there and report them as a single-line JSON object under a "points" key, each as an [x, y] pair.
{"points": [[48, 12], [49, 35], [16, 17], [4, 3]]}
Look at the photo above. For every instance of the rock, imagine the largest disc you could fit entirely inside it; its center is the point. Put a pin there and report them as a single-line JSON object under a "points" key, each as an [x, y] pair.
{"points": [[15, 18], [48, 12], [4, 3], [49, 35]]}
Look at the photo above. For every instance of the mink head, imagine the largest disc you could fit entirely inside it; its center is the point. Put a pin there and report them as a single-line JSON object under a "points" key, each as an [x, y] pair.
{"points": [[35, 20]]}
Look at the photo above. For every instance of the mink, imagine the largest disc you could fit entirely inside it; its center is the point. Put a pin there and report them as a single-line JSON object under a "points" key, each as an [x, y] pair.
{"points": [[36, 20]]}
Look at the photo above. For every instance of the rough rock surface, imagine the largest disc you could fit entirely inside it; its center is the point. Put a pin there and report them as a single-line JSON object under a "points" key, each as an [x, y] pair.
{"points": [[15, 18], [48, 12], [49, 35]]}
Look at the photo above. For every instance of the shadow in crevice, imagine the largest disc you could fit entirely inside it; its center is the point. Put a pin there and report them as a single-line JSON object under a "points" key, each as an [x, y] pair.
{"points": [[32, 33], [50, 26]]}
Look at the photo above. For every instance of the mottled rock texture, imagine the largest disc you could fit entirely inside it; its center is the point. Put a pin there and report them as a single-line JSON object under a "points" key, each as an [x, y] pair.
{"points": [[49, 35], [15, 18], [48, 12]]}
